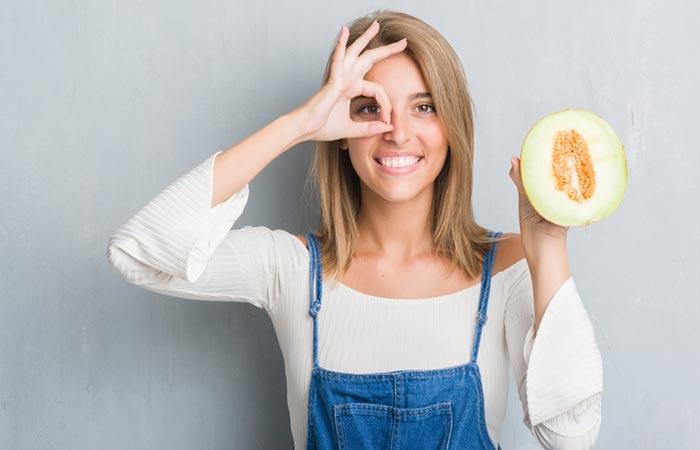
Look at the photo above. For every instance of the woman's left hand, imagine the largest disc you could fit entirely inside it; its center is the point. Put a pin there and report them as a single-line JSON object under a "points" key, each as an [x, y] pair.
{"points": [[535, 230]]}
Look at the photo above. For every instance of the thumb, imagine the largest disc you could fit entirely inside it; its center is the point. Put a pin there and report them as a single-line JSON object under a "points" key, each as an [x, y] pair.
{"points": [[515, 173]]}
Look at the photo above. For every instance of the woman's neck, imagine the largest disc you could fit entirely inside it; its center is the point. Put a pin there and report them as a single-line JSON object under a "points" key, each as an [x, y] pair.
{"points": [[397, 230]]}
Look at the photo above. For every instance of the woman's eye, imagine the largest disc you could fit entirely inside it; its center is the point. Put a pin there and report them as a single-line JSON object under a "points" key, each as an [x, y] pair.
{"points": [[362, 109], [428, 105]]}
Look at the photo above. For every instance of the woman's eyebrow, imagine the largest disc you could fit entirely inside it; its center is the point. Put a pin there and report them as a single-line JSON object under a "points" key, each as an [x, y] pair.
{"points": [[410, 97], [419, 95]]}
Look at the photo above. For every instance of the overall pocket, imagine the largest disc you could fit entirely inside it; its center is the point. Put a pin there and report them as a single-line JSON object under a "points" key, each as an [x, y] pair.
{"points": [[371, 426]]}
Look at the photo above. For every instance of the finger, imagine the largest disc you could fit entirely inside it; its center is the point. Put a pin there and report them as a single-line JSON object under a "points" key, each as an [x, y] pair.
{"points": [[339, 52], [362, 41], [514, 172], [366, 129], [376, 90], [511, 173], [371, 56]]}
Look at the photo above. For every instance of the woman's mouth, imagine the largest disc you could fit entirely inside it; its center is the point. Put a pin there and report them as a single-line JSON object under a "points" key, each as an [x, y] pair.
{"points": [[401, 165]]}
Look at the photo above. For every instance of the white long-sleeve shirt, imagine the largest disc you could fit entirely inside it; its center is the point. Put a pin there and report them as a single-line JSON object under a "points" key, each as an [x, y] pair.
{"points": [[178, 245]]}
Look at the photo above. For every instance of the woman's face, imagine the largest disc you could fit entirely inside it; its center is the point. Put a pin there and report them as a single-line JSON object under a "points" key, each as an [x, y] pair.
{"points": [[417, 131]]}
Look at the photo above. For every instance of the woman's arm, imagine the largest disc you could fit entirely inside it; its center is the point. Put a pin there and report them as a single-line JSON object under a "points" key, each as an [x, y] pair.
{"points": [[553, 352], [178, 245], [238, 165], [558, 372], [549, 270]]}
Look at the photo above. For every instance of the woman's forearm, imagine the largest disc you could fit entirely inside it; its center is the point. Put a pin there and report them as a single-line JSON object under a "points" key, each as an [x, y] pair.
{"points": [[237, 166], [549, 270]]}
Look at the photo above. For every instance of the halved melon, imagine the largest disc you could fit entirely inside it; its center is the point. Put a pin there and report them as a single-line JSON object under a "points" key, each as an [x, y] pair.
{"points": [[573, 167]]}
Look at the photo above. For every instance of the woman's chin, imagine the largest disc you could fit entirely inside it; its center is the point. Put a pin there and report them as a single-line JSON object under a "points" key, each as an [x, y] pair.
{"points": [[397, 194]]}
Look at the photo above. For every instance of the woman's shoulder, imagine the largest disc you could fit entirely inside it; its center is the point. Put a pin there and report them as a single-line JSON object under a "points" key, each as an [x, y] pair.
{"points": [[258, 241], [279, 249], [301, 238]]}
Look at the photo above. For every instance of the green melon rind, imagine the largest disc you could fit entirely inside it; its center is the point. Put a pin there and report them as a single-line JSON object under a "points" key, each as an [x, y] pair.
{"points": [[565, 213]]}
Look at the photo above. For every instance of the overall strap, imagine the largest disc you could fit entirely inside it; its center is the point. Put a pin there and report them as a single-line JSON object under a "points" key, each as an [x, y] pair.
{"points": [[315, 287], [486, 267]]}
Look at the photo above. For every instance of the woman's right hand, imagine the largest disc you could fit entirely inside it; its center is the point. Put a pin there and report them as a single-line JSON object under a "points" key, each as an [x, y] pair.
{"points": [[326, 115]]}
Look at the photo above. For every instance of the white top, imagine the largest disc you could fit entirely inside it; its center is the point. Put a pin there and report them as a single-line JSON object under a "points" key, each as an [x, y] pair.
{"points": [[178, 245]]}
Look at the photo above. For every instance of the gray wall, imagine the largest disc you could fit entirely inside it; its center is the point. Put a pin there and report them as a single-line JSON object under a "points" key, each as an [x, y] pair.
{"points": [[105, 103]]}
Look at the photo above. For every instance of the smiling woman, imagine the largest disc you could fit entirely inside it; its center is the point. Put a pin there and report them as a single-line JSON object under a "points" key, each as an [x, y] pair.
{"points": [[424, 97], [400, 317]]}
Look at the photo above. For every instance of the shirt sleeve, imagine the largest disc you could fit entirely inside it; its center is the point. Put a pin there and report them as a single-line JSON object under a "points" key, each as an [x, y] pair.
{"points": [[178, 245], [559, 372]]}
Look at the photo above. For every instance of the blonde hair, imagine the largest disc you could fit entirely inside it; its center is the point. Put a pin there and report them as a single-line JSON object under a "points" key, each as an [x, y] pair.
{"points": [[456, 235]]}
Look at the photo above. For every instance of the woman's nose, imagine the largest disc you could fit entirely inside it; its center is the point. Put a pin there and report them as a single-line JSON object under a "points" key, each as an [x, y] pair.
{"points": [[399, 133]]}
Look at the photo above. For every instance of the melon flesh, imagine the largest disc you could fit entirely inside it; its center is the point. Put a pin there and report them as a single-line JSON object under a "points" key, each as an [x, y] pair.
{"points": [[573, 167]]}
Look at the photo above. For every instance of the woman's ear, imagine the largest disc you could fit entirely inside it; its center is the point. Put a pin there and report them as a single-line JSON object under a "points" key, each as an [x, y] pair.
{"points": [[343, 144]]}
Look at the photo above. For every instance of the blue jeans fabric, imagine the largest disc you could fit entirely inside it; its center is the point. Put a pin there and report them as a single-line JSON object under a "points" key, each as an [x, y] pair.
{"points": [[402, 410]]}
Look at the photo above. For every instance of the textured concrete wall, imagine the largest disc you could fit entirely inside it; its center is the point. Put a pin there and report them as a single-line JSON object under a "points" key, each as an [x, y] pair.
{"points": [[105, 103]]}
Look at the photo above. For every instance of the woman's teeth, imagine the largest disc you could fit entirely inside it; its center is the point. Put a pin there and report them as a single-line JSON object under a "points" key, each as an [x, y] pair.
{"points": [[401, 161]]}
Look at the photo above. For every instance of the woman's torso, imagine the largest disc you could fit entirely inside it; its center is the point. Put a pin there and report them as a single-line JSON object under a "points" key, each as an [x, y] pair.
{"points": [[353, 336]]}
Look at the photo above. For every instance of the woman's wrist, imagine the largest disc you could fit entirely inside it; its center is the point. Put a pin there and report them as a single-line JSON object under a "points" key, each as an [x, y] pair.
{"points": [[299, 121]]}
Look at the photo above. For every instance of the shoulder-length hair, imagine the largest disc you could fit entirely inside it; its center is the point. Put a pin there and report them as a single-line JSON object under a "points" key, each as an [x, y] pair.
{"points": [[456, 235]]}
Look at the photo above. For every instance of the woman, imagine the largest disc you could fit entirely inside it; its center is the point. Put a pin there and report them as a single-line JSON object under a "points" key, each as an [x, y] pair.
{"points": [[399, 318]]}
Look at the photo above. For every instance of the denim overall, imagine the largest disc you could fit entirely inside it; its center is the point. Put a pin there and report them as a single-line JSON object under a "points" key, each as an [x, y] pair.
{"points": [[400, 410]]}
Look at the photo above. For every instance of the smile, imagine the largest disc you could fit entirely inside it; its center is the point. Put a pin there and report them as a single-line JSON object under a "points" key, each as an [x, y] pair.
{"points": [[399, 166]]}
